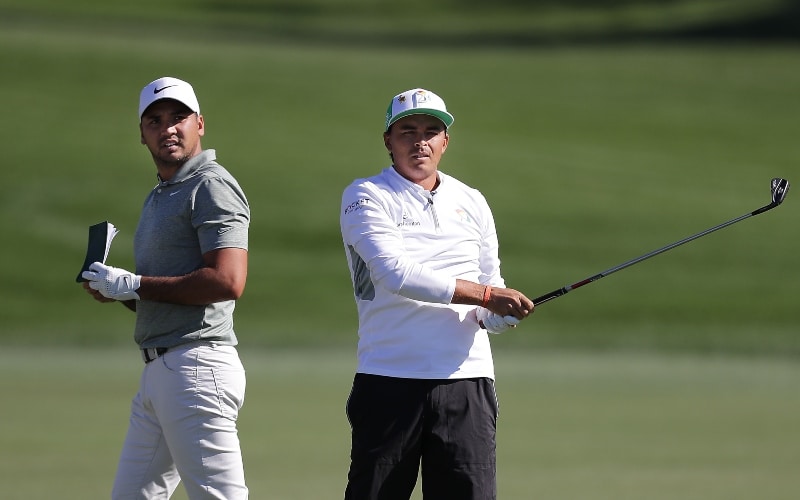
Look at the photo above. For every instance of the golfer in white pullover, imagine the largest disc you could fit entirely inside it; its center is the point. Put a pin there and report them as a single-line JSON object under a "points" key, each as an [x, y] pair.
{"points": [[423, 256]]}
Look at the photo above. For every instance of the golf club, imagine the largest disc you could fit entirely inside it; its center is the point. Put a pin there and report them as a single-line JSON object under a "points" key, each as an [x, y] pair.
{"points": [[779, 189]]}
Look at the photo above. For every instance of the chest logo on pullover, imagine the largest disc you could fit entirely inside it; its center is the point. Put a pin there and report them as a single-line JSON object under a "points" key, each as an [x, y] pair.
{"points": [[463, 215], [407, 221]]}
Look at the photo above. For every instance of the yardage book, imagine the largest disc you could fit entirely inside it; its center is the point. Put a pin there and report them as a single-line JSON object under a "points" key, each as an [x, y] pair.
{"points": [[100, 237]]}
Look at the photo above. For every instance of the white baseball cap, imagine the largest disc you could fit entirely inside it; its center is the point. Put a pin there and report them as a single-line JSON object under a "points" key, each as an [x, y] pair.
{"points": [[168, 88], [417, 102]]}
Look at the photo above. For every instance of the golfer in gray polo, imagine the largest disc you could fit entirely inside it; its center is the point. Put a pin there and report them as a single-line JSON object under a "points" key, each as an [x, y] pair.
{"points": [[190, 250]]}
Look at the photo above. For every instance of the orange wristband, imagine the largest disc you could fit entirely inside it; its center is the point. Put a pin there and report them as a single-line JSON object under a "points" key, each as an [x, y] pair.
{"points": [[487, 292]]}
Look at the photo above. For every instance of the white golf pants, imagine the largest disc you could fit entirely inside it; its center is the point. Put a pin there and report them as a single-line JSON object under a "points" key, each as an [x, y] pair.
{"points": [[183, 427]]}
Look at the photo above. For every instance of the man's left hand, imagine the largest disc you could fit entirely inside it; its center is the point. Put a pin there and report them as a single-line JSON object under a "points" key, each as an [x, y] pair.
{"points": [[494, 323], [112, 282]]}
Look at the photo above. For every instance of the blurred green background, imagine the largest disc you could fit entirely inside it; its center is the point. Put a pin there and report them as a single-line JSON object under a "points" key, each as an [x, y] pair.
{"points": [[597, 130]]}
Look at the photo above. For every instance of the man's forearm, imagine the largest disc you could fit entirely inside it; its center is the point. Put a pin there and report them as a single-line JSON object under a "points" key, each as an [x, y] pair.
{"points": [[200, 287]]}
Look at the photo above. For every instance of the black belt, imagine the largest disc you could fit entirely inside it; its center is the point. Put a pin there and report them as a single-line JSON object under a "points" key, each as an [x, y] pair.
{"points": [[151, 353]]}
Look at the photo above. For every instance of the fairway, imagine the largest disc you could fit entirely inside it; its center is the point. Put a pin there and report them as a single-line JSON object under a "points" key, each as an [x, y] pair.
{"points": [[676, 380], [572, 426], [589, 156]]}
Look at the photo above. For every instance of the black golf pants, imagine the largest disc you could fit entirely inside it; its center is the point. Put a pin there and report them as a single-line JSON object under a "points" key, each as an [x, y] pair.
{"points": [[447, 426]]}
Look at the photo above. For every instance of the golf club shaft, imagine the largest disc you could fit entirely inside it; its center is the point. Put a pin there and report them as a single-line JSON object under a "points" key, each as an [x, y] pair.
{"points": [[561, 291]]}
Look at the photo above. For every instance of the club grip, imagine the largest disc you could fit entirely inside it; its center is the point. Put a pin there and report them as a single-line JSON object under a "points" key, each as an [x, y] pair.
{"points": [[549, 296]]}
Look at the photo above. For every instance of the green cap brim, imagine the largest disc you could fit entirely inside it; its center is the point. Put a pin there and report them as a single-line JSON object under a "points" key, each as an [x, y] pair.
{"points": [[446, 118]]}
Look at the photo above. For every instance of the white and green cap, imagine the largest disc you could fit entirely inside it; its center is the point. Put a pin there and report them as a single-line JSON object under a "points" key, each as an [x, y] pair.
{"points": [[417, 102], [168, 88]]}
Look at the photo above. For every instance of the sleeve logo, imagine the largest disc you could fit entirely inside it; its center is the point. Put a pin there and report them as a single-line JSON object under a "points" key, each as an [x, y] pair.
{"points": [[356, 205]]}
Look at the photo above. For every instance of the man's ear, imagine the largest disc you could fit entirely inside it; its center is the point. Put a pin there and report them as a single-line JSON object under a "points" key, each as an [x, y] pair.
{"points": [[201, 125], [386, 142]]}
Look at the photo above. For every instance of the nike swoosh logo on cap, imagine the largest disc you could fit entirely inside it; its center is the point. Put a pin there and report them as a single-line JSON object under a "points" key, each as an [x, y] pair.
{"points": [[156, 91]]}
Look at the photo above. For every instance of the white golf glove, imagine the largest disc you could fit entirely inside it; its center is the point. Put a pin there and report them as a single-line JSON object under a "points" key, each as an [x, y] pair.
{"points": [[494, 323], [112, 282]]}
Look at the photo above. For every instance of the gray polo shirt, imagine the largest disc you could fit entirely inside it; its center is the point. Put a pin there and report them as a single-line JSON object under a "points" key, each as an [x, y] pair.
{"points": [[202, 208]]}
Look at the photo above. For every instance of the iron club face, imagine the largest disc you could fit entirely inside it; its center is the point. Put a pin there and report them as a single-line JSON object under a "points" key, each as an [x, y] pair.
{"points": [[779, 189]]}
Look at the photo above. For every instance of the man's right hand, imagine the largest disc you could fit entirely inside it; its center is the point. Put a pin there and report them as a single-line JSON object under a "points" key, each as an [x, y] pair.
{"points": [[94, 293]]}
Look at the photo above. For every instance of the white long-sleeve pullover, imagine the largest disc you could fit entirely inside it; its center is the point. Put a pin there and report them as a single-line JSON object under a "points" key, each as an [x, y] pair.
{"points": [[405, 248]]}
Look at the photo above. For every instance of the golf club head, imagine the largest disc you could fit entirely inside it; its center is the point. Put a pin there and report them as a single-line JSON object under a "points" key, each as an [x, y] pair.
{"points": [[779, 189]]}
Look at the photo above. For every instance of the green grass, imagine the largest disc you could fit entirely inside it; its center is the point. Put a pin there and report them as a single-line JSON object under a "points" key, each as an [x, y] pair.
{"points": [[413, 22], [594, 427], [589, 156]]}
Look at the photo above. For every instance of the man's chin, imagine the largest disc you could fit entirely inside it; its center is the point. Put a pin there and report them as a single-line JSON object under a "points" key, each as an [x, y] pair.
{"points": [[177, 157], [170, 160]]}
